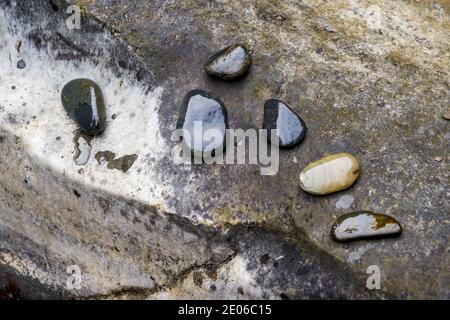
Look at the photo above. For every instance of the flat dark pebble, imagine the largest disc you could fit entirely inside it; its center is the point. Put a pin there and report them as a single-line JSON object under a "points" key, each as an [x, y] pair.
{"points": [[201, 108], [83, 101], [291, 128], [231, 63], [21, 64], [364, 225]]}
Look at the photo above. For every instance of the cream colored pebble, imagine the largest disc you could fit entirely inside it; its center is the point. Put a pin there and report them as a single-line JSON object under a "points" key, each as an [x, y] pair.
{"points": [[330, 174]]}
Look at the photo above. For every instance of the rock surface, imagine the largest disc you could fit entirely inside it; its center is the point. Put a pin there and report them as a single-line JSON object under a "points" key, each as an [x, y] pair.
{"points": [[359, 69]]}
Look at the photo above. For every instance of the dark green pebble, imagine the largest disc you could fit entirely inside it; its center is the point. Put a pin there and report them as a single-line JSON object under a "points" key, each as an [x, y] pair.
{"points": [[291, 129], [231, 63], [83, 101], [364, 225]]}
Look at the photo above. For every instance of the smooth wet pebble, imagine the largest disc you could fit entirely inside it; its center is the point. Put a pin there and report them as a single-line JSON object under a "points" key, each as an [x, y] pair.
{"points": [[364, 225], [21, 64], [231, 63], [330, 174], [291, 129], [203, 119], [83, 101]]}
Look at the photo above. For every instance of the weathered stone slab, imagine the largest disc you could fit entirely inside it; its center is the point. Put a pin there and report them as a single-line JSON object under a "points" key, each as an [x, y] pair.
{"points": [[358, 70]]}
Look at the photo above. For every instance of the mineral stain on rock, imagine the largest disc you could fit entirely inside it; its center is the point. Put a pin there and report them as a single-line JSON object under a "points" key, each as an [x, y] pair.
{"points": [[82, 146], [203, 119], [364, 225], [291, 129], [330, 174], [83, 101], [230, 63], [123, 163]]}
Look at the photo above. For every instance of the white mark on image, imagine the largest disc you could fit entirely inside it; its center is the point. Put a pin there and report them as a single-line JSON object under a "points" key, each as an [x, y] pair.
{"points": [[74, 21], [94, 107], [74, 280], [374, 280]]}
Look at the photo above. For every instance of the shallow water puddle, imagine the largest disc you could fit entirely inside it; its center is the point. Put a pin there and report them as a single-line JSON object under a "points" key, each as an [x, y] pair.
{"points": [[82, 145]]}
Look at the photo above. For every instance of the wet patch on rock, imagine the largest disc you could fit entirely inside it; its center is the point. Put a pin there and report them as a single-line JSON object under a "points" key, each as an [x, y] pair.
{"points": [[83, 101], [231, 63], [123, 163], [330, 174], [291, 129], [345, 202], [82, 145], [364, 225], [203, 119]]}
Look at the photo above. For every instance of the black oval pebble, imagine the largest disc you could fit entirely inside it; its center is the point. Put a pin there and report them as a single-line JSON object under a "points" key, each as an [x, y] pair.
{"points": [[83, 101], [291, 129], [200, 113]]}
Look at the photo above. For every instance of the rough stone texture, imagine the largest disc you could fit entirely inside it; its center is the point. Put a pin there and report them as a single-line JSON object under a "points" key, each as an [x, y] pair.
{"points": [[369, 77]]}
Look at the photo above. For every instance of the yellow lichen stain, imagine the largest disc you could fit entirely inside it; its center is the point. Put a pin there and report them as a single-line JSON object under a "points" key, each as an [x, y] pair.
{"points": [[236, 215], [381, 221], [400, 59], [263, 92]]}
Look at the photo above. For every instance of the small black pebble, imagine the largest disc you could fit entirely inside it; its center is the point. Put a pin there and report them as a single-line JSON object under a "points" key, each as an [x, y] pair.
{"points": [[83, 101], [291, 129], [264, 258], [213, 287], [200, 108], [230, 63], [21, 64]]}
